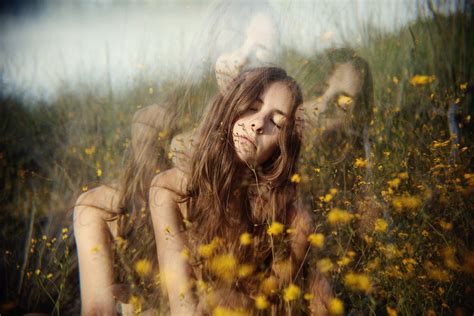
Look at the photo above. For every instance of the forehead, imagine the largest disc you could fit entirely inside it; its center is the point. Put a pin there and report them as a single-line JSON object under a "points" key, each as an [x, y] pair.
{"points": [[277, 96], [346, 79]]}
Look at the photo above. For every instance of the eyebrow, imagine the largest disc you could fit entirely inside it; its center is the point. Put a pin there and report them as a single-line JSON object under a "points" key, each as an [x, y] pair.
{"points": [[259, 99], [282, 113]]}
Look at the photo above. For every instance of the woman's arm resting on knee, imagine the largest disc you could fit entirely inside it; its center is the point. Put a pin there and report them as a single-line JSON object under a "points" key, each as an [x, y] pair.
{"points": [[170, 242], [93, 241]]}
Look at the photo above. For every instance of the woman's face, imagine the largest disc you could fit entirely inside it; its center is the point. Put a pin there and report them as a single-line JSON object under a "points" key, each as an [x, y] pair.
{"points": [[258, 48], [333, 109], [255, 133]]}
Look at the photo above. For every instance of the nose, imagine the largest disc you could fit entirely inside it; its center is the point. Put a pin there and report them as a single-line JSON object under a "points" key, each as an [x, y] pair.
{"points": [[257, 126]]}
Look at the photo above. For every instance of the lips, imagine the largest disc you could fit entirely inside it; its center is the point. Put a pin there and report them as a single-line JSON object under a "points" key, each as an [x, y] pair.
{"points": [[248, 139]]}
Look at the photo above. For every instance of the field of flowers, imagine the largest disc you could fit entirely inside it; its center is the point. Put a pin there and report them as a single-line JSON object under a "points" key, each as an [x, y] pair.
{"points": [[418, 259]]}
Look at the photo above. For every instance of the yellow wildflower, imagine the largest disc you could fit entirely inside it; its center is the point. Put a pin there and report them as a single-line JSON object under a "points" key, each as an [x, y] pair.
{"points": [[391, 311], [338, 216], [163, 134], [136, 302], [290, 230], [296, 178], [49, 276], [394, 183], [224, 311], [344, 101], [143, 267], [421, 80], [275, 228], [317, 240], [436, 273], [245, 270], [358, 282], [186, 254], [90, 150], [325, 265], [327, 198], [308, 296], [245, 239], [207, 250], [201, 286], [406, 201], [395, 80], [336, 307], [403, 175], [445, 225], [291, 293], [333, 191], [449, 258], [381, 225], [224, 266], [269, 285], [38, 271], [344, 261], [463, 86], [261, 302], [360, 163]]}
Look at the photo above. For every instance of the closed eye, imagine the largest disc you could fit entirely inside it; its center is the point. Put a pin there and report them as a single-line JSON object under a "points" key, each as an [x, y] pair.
{"points": [[274, 123]]}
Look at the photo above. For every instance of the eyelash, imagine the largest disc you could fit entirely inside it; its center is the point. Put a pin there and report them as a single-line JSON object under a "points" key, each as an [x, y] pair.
{"points": [[273, 122]]}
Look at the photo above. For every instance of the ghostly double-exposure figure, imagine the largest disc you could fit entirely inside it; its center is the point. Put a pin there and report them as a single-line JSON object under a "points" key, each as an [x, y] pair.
{"points": [[337, 123]]}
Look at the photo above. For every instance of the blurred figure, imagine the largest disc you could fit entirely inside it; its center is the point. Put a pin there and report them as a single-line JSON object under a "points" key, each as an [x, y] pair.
{"points": [[113, 230], [337, 125]]}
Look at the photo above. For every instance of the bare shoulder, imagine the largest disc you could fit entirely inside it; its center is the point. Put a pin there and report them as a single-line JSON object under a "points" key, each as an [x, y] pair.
{"points": [[103, 201], [104, 197], [174, 180]]}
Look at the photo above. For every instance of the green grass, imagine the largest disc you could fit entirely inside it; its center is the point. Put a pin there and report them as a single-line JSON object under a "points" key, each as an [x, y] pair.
{"points": [[423, 263]]}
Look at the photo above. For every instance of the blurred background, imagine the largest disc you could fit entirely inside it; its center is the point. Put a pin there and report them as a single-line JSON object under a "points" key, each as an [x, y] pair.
{"points": [[72, 73]]}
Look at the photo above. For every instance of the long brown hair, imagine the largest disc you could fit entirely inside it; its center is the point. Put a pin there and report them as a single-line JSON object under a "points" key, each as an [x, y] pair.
{"points": [[221, 201]]}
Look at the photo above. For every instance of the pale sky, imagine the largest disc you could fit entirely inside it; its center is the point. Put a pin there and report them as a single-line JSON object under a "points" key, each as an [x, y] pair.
{"points": [[93, 43]]}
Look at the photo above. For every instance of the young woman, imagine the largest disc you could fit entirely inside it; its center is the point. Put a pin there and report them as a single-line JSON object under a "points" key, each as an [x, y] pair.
{"points": [[238, 185], [113, 230]]}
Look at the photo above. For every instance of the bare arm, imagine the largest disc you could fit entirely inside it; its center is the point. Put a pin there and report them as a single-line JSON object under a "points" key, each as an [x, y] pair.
{"points": [[318, 286], [93, 239], [170, 242]]}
